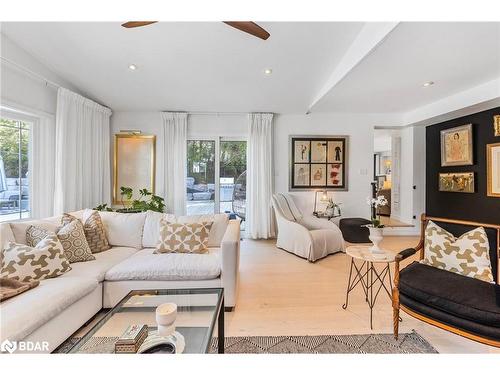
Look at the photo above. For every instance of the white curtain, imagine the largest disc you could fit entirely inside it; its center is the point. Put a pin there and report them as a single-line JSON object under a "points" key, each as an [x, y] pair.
{"points": [[41, 168], [259, 221], [82, 161], [174, 154]]}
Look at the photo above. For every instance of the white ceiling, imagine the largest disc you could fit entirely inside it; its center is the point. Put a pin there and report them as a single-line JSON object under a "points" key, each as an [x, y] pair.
{"points": [[455, 55], [197, 66], [211, 67]]}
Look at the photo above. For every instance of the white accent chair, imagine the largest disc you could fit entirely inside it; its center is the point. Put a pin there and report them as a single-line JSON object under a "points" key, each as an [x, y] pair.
{"points": [[306, 236]]}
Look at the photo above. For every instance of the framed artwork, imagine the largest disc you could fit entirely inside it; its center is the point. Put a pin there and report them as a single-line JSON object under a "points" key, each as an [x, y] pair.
{"points": [[318, 162], [493, 169], [456, 146], [496, 125], [462, 182], [134, 163]]}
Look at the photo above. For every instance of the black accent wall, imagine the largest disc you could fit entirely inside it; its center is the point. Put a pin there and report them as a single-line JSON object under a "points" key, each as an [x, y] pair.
{"points": [[476, 206]]}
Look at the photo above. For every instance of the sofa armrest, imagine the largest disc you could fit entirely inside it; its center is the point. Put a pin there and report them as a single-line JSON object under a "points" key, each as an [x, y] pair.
{"points": [[405, 254], [230, 247]]}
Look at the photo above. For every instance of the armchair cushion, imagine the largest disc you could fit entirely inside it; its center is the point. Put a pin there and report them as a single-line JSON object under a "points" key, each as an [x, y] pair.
{"points": [[457, 295]]}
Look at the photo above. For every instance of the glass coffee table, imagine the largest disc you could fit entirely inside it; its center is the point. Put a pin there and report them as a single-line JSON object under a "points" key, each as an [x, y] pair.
{"points": [[199, 313]]}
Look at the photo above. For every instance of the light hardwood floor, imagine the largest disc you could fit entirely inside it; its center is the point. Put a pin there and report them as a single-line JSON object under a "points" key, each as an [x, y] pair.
{"points": [[281, 294]]}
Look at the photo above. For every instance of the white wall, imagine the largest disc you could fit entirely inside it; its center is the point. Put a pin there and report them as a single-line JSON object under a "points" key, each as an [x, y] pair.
{"points": [[23, 91], [358, 127]]}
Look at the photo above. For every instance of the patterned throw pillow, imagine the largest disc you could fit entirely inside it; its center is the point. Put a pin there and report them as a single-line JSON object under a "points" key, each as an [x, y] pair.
{"points": [[467, 255], [183, 238], [72, 237], [94, 231], [35, 234], [44, 261]]}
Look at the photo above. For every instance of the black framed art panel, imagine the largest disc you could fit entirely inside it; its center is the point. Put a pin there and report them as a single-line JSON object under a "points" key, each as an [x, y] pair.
{"points": [[318, 162]]}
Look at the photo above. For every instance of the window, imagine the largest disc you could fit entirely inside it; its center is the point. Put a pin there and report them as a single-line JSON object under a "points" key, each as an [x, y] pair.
{"points": [[214, 168], [14, 169]]}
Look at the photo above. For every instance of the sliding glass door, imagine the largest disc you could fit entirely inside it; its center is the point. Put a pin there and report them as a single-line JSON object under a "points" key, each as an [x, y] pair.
{"points": [[200, 182], [215, 175]]}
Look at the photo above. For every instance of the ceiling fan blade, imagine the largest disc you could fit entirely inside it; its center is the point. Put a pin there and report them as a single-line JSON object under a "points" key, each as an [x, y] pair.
{"points": [[249, 27], [132, 24]]}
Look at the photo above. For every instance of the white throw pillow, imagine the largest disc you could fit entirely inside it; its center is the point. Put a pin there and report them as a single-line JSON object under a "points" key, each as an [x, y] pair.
{"points": [[219, 226], [152, 227], [123, 229], [44, 261]]}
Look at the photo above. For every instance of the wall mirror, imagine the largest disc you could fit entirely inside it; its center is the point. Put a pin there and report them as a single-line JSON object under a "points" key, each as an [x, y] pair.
{"points": [[134, 163]]}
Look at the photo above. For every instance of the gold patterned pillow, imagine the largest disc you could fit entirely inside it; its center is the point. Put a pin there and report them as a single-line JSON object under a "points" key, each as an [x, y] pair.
{"points": [[94, 231], [35, 234], [183, 238], [44, 261], [467, 255], [72, 237]]}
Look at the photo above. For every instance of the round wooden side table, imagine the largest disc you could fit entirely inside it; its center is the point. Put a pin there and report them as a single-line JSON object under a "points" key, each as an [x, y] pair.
{"points": [[366, 274]]}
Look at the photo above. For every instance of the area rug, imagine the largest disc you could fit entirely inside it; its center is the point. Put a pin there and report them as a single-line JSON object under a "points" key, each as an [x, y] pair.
{"points": [[408, 343]]}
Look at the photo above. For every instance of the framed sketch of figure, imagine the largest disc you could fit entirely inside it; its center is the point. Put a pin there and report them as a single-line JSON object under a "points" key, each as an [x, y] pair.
{"points": [[318, 151], [493, 169], [456, 146], [318, 162], [302, 151]]}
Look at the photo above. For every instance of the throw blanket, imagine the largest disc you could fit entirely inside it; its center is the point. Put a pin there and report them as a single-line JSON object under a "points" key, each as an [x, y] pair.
{"points": [[11, 287]]}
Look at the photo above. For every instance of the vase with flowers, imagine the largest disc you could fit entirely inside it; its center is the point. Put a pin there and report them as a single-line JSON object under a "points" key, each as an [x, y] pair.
{"points": [[376, 228]]}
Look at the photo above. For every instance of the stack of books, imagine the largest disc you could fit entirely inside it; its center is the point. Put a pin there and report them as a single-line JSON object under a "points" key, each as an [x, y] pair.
{"points": [[132, 339]]}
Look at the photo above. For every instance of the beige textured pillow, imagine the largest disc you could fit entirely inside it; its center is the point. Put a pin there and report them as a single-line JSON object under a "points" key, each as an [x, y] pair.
{"points": [[183, 238], [467, 255], [25, 263], [72, 237], [35, 234], [94, 231]]}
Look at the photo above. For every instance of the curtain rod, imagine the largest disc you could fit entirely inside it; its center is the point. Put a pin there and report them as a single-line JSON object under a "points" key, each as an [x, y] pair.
{"points": [[223, 113], [30, 72]]}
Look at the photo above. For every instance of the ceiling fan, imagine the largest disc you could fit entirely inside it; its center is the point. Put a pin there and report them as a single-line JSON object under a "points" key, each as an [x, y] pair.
{"points": [[246, 26]]}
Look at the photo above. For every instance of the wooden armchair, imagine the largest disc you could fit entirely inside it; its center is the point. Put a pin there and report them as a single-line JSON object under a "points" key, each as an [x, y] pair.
{"points": [[459, 304]]}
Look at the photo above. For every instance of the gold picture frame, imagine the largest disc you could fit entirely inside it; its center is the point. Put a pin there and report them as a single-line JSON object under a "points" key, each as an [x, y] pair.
{"points": [[493, 169], [459, 182], [496, 125], [134, 163], [456, 146]]}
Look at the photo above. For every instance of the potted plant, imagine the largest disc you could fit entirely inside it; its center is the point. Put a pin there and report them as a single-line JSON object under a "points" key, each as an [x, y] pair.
{"points": [[147, 201], [376, 229]]}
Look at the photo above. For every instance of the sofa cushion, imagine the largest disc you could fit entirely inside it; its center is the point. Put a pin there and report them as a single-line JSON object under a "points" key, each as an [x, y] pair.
{"points": [[467, 255], [96, 269], [93, 228], [72, 237], [6, 235], [189, 238], [124, 229], [19, 227], [455, 294], [152, 226], [151, 231], [23, 314], [25, 263], [219, 226], [144, 265], [35, 234]]}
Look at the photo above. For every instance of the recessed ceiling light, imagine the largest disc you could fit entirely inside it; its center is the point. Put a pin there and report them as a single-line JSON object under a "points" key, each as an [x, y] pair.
{"points": [[427, 84], [268, 71], [132, 67]]}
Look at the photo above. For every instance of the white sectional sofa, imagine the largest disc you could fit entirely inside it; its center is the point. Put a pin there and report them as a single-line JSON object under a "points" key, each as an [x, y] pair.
{"points": [[55, 309]]}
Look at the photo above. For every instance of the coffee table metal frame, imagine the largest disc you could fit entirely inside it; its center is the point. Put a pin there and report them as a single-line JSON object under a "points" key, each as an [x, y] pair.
{"points": [[217, 316]]}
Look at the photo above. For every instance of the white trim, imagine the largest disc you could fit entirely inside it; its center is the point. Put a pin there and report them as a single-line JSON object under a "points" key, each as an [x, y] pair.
{"points": [[12, 106]]}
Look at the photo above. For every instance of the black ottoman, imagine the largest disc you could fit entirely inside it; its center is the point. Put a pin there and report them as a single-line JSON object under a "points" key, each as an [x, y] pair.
{"points": [[353, 230]]}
